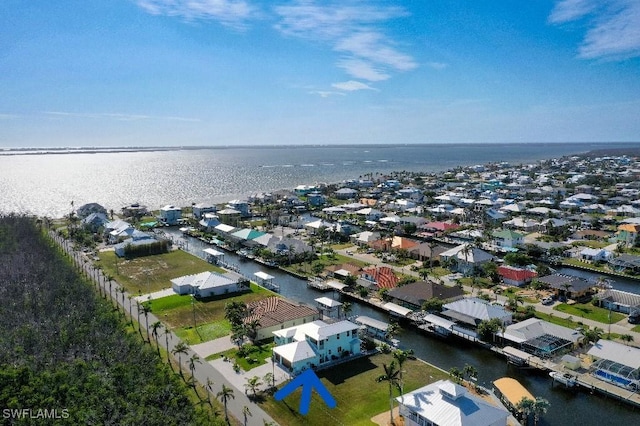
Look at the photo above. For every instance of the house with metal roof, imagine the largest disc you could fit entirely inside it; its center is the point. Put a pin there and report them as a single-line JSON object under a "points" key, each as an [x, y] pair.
{"points": [[616, 363], [315, 345], [207, 284], [445, 403], [507, 238], [170, 214], [619, 301], [472, 311], [541, 338], [516, 276]]}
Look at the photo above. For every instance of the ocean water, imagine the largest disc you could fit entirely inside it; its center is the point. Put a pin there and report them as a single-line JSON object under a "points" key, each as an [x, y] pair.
{"points": [[45, 184]]}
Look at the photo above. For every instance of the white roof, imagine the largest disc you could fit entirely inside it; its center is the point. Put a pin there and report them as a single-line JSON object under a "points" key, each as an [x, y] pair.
{"points": [[203, 280], [475, 308], [318, 330], [213, 252], [397, 309], [336, 284], [295, 351], [372, 322], [616, 352], [439, 321], [224, 228], [533, 327], [447, 403], [263, 276], [327, 301]]}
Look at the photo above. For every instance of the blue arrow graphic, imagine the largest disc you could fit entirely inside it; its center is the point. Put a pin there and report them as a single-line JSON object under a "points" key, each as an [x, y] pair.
{"points": [[308, 380]]}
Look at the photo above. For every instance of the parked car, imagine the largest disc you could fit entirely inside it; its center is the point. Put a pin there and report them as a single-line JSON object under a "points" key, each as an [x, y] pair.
{"points": [[547, 300], [634, 318]]}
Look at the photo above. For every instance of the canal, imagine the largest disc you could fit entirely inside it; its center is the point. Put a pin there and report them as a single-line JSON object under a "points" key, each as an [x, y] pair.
{"points": [[566, 407]]}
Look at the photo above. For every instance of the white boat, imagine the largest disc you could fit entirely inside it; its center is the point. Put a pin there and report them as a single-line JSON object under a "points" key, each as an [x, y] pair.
{"points": [[567, 379]]}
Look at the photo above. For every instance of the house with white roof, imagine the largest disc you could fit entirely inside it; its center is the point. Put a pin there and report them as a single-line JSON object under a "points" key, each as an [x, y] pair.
{"points": [[315, 345], [541, 338], [616, 363], [472, 311], [447, 403], [207, 284], [170, 214]]}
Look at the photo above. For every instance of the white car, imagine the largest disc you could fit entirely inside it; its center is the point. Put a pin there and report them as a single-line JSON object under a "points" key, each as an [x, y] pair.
{"points": [[547, 300]]}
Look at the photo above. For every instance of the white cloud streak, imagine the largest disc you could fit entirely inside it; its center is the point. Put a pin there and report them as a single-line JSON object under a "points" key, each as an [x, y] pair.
{"points": [[231, 13], [612, 26], [352, 86], [352, 28]]}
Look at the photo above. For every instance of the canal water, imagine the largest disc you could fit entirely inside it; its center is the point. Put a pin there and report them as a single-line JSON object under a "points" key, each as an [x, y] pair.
{"points": [[566, 407]]}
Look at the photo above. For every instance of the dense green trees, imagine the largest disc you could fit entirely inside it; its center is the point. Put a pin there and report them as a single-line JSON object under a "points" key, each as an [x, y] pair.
{"points": [[63, 347]]}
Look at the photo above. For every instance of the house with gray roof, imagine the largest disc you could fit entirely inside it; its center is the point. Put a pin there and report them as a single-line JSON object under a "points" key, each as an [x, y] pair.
{"points": [[414, 295], [472, 311], [619, 301]]}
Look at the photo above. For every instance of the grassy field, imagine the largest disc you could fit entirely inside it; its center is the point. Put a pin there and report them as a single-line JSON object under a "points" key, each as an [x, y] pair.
{"points": [[177, 313], [353, 385], [588, 311], [152, 273], [565, 322], [256, 356]]}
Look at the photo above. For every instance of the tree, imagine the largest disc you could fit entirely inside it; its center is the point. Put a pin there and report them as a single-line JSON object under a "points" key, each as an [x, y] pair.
{"points": [[525, 407], [488, 328], [251, 328], [392, 377], [253, 383], [392, 330], [154, 332], [401, 356], [269, 379], [209, 388], [180, 349], [166, 340], [193, 360], [432, 305], [540, 407], [145, 310], [592, 334], [347, 307], [224, 395], [626, 338], [246, 412], [469, 372]]}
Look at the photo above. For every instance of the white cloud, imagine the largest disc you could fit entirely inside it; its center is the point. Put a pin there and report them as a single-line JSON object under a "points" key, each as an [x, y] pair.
{"points": [[612, 27], [325, 93], [232, 13], [352, 28], [352, 86]]}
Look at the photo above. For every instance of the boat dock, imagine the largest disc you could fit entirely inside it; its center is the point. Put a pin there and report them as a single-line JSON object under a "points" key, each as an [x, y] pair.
{"points": [[318, 284], [265, 280]]}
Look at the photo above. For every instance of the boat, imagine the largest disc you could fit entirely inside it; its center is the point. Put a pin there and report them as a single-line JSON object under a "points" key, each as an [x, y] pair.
{"points": [[567, 379]]}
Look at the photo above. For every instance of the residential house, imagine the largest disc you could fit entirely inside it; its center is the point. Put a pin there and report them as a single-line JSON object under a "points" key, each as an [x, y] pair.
{"points": [[472, 311], [616, 363], [134, 210], [465, 258], [200, 209], [541, 338], [137, 238], [95, 221], [380, 276], [590, 255], [346, 194], [275, 313], [316, 199], [364, 238], [209, 222], [414, 295], [170, 214], [619, 301], [207, 284], [447, 403], [568, 286], [427, 252], [241, 206], [516, 276], [625, 263], [628, 233], [230, 216], [315, 345], [507, 238]]}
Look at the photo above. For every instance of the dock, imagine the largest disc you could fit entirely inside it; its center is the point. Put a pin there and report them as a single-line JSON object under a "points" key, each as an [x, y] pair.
{"points": [[265, 280]]}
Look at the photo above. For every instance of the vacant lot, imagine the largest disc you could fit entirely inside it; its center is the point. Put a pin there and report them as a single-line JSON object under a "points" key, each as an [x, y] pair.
{"points": [[587, 310], [357, 393], [152, 273]]}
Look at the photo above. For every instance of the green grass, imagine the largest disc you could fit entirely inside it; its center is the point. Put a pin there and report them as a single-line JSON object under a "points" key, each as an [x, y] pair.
{"points": [[565, 322], [636, 329], [357, 393], [438, 271], [204, 332], [588, 311], [152, 273], [255, 356]]}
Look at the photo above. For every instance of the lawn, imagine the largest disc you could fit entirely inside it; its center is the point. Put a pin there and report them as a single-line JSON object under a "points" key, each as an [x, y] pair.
{"points": [[357, 393], [565, 322], [152, 273], [177, 313], [636, 329], [587, 310], [254, 355]]}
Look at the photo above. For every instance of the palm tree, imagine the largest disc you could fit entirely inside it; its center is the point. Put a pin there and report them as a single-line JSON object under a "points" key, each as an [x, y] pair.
{"points": [[626, 338], [224, 395], [209, 388], [154, 332], [391, 331], [253, 383], [180, 349], [525, 407], [166, 340], [401, 356], [252, 328], [346, 309], [469, 372], [146, 309], [195, 359], [109, 279], [540, 406], [122, 291], [246, 412], [391, 375]]}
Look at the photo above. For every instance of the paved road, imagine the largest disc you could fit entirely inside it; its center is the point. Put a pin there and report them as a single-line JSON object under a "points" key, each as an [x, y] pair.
{"points": [[202, 370]]}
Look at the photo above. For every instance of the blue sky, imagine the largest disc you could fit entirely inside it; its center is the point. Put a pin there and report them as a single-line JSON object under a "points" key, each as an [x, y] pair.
{"points": [[248, 72]]}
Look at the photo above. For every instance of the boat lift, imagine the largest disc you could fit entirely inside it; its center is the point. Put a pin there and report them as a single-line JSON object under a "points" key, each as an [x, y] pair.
{"points": [[265, 280]]}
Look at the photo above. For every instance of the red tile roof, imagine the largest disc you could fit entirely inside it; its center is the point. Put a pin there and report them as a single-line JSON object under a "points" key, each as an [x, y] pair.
{"points": [[383, 276], [516, 274]]}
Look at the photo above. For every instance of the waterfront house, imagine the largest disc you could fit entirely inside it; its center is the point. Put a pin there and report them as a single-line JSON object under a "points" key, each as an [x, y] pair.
{"points": [[625, 263], [619, 301], [380, 276], [95, 221], [465, 258], [246, 237], [616, 363], [241, 206], [447, 403], [170, 214], [471, 311], [590, 255], [134, 210], [315, 345], [316, 199], [628, 233], [137, 239], [275, 313], [414, 295], [516, 276], [200, 209], [541, 338], [229, 216], [346, 194], [507, 238], [568, 286], [207, 284], [209, 222]]}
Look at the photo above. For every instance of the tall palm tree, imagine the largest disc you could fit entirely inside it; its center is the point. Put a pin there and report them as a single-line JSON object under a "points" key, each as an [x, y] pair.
{"points": [[209, 388], [253, 383], [347, 307], [525, 407], [146, 309], [154, 332], [193, 360], [392, 377], [246, 412], [540, 407], [166, 340], [139, 310], [401, 356], [469, 372], [224, 395], [180, 349], [122, 291]]}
